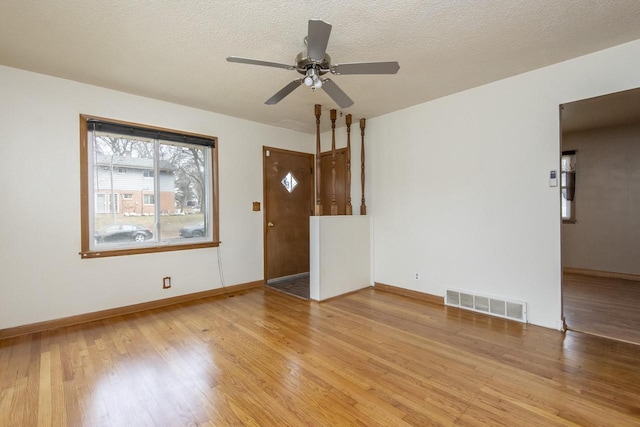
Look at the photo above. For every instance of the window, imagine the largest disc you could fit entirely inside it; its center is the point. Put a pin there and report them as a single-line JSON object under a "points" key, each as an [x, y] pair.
{"points": [[289, 182], [101, 203], [166, 173], [113, 203], [568, 185]]}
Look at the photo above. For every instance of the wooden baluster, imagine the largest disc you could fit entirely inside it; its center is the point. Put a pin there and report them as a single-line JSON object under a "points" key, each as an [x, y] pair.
{"points": [[349, 208], [363, 206], [334, 205], [318, 112]]}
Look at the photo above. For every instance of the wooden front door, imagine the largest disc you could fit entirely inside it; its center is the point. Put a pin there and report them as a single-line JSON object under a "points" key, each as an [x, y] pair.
{"points": [[288, 203]]}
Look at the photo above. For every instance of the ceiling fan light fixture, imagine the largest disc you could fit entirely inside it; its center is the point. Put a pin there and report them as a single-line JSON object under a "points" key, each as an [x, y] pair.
{"points": [[312, 80], [314, 62]]}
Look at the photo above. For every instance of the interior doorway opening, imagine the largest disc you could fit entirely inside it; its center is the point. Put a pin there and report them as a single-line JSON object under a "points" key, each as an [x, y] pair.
{"points": [[600, 195]]}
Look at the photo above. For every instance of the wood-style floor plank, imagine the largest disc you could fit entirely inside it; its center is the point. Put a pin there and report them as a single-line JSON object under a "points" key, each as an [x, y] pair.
{"points": [[263, 358], [602, 306]]}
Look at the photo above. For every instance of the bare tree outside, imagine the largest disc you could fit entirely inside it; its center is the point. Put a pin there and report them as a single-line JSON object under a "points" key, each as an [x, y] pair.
{"points": [[189, 173]]}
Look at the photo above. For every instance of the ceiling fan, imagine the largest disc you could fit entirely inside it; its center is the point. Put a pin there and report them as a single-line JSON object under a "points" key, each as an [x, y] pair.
{"points": [[315, 62]]}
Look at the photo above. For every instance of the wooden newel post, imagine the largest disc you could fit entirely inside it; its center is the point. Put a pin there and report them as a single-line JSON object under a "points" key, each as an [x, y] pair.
{"points": [[318, 112], [334, 205], [363, 206], [349, 208]]}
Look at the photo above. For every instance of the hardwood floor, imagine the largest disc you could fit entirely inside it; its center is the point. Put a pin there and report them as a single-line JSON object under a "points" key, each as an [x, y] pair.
{"points": [[263, 358], [602, 306]]}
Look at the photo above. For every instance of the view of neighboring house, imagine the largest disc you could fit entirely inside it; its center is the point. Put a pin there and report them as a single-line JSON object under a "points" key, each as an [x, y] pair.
{"points": [[125, 185]]}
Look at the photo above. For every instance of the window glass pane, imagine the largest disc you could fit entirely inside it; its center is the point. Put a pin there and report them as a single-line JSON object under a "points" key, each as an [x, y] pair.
{"points": [[289, 182], [113, 203], [101, 204], [119, 168], [566, 208], [183, 189]]}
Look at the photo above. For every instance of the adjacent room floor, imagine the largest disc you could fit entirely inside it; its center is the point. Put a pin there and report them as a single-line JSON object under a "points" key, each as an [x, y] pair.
{"points": [[602, 306]]}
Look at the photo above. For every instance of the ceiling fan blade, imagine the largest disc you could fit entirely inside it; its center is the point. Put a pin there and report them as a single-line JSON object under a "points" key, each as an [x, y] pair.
{"points": [[317, 39], [259, 62], [366, 68], [284, 92], [332, 89]]}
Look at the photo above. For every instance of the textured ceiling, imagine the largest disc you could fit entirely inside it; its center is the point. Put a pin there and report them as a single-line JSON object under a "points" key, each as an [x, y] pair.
{"points": [[175, 50]]}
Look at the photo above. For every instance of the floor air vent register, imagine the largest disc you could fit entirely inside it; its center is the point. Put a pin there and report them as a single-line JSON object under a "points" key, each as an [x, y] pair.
{"points": [[499, 307]]}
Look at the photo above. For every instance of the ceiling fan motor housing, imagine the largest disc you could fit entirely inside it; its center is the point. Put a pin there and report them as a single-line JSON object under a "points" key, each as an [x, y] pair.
{"points": [[303, 63]]}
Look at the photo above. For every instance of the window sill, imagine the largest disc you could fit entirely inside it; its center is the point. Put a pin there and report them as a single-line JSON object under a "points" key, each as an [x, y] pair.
{"points": [[147, 250]]}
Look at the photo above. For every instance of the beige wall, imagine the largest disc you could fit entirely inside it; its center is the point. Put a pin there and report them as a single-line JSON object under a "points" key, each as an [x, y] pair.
{"points": [[606, 235]]}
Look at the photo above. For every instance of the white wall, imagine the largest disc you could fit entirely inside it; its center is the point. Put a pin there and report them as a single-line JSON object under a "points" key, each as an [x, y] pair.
{"points": [[43, 277], [606, 235], [458, 187], [341, 255]]}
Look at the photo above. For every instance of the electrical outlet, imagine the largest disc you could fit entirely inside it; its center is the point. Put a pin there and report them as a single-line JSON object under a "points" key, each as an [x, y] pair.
{"points": [[166, 282], [416, 276]]}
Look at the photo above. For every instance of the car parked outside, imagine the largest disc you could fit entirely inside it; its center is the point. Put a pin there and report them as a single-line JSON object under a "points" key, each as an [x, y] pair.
{"points": [[123, 233], [194, 230]]}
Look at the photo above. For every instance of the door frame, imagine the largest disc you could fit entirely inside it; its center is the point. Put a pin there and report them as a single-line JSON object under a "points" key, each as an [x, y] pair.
{"points": [[265, 203], [563, 318]]}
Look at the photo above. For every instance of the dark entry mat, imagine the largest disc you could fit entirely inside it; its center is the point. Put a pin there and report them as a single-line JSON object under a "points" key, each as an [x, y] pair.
{"points": [[298, 286]]}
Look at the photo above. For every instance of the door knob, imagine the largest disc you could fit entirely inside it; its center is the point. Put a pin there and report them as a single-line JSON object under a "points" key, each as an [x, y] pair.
{"points": [[270, 224]]}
